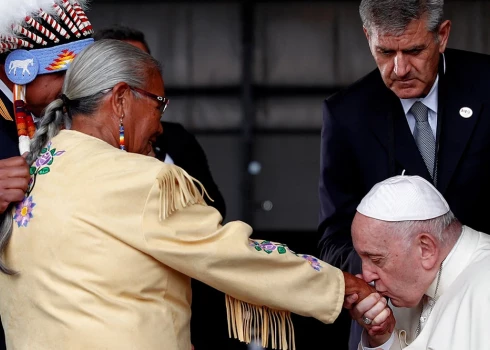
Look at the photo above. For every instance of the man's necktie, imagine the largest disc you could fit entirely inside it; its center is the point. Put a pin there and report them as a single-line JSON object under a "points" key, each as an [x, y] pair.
{"points": [[424, 138]]}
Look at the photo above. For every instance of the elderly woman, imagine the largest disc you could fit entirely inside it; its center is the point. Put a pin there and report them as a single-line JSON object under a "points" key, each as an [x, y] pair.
{"points": [[100, 253]]}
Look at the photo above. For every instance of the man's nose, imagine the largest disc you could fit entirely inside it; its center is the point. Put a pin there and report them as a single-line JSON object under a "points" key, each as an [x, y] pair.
{"points": [[369, 276], [401, 65]]}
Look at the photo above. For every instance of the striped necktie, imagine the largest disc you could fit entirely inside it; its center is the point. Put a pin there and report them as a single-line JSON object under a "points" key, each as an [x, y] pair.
{"points": [[424, 138]]}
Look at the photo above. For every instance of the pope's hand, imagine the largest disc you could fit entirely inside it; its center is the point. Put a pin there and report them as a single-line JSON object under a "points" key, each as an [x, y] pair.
{"points": [[14, 179], [374, 311]]}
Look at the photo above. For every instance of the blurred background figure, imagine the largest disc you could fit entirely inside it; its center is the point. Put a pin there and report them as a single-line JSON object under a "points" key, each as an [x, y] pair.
{"points": [[176, 145]]}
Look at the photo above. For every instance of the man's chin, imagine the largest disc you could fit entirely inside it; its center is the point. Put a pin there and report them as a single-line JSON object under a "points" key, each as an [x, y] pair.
{"points": [[395, 302], [406, 91], [400, 303]]}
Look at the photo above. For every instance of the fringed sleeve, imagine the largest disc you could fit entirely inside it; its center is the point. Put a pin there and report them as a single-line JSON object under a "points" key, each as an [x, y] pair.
{"points": [[248, 322], [264, 281], [177, 191]]}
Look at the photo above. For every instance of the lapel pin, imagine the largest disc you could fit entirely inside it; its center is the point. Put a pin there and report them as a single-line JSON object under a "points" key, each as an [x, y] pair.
{"points": [[465, 112]]}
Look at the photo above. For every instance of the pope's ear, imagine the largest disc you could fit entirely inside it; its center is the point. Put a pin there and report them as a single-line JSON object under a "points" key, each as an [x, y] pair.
{"points": [[428, 249]]}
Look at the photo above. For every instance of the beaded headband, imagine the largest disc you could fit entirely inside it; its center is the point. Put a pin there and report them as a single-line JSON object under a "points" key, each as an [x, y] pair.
{"points": [[42, 36]]}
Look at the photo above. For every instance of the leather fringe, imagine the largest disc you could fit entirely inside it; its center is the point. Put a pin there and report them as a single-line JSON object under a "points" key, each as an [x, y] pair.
{"points": [[179, 190], [248, 322]]}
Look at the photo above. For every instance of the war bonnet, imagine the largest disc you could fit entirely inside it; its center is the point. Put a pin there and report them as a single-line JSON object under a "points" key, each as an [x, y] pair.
{"points": [[39, 37]]}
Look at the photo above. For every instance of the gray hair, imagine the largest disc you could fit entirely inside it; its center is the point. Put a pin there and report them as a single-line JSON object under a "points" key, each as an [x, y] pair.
{"points": [[445, 228], [99, 67], [393, 16]]}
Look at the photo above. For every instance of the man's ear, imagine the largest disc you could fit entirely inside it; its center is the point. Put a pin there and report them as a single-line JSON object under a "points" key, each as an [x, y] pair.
{"points": [[443, 34], [428, 250], [369, 36], [119, 99], [366, 33]]}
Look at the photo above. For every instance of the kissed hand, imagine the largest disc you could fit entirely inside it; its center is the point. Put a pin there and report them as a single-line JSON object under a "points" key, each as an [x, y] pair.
{"points": [[356, 285], [371, 306]]}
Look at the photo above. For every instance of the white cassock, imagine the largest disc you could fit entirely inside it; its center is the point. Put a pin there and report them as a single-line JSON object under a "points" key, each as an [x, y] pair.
{"points": [[461, 312]]}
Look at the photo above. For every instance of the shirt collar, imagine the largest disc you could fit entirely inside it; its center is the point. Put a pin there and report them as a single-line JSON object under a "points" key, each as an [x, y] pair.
{"points": [[456, 261], [430, 101], [6, 91]]}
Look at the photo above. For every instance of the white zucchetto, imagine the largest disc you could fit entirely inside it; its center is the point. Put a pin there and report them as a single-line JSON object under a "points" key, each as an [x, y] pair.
{"points": [[402, 198]]}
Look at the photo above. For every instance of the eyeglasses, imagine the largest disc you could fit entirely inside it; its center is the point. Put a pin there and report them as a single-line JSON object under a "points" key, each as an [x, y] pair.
{"points": [[162, 101]]}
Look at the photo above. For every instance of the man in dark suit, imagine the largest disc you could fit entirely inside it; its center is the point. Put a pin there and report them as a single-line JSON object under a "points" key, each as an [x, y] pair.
{"points": [[178, 146], [425, 111]]}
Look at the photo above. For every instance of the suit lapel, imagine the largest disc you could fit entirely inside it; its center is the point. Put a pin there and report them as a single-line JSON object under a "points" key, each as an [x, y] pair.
{"points": [[8, 131], [7, 121], [4, 112], [6, 108], [389, 118], [455, 131]]}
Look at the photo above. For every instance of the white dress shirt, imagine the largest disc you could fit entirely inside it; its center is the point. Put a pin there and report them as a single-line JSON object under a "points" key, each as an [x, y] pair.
{"points": [[6, 91], [430, 101]]}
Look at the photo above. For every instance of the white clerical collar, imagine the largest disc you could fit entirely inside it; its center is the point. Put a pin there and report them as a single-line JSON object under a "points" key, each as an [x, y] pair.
{"points": [[6, 91], [430, 101], [455, 262]]}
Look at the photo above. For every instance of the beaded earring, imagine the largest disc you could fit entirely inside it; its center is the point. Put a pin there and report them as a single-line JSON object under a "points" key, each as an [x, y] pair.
{"points": [[121, 134]]}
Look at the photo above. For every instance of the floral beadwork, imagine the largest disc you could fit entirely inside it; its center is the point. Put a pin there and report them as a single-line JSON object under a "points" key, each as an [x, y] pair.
{"points": [[45, 159], [268, 246], [23, 212], [314, 262]]}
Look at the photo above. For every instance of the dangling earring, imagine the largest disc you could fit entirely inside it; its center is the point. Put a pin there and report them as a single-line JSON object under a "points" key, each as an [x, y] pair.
{"points": [[121, 133]]}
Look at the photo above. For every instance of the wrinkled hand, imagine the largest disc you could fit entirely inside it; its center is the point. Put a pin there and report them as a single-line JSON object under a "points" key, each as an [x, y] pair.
{"points": [[14, 179], [355, 285], [375, 308], [372, 306]]}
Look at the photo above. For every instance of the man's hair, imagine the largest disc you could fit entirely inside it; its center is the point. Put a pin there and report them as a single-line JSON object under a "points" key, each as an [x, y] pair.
{"points": [[393, 16], [122, 33], [445, 228], [99, 67]]}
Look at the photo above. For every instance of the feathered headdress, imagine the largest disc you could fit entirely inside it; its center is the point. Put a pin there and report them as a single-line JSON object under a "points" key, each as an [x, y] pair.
{"points": [[33, 24], [40, 37]]}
